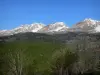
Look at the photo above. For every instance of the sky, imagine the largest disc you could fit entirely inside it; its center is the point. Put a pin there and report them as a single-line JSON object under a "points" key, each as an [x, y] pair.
{"points": [[14, 13]]}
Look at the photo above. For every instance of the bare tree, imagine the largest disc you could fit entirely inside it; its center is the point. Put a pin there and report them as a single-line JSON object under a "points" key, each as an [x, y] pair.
{"points": [[16, 60], [63, 62]]}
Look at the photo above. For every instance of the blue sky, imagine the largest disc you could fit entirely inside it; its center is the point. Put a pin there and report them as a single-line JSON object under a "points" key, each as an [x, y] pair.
{"points": [[13, 13]]}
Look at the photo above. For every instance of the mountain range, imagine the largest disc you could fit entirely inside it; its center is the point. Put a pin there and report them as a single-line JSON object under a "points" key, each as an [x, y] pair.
{"points": [[87, 25]]}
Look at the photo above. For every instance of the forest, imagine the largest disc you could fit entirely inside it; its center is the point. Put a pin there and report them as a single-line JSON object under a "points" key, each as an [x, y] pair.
{"points": [[46, 57]]}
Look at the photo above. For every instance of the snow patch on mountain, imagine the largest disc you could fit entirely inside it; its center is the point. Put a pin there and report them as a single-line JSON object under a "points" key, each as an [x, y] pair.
{"points": [[89, 20], [86, 25], [55, 27], [97, 29], [28, 28]]}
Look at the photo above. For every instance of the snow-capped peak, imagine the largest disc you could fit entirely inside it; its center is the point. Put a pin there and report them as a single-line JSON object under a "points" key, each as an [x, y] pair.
{"points": [[59, 23], [57, 26], [54, 27], [87, 19], [37, 26], [28, 28], [91, 21], [86, 25]]}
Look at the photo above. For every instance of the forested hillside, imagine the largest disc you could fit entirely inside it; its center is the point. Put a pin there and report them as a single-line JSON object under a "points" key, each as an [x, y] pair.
{"points": [[72, 53]]}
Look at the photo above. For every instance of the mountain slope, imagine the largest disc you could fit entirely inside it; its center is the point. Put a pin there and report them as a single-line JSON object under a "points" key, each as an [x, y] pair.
{"points": [[28, 28], [55, 27], [87, 25]]}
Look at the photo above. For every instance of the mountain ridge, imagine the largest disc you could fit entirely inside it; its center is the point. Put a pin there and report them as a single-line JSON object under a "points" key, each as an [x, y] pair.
{"points": [[87, 25]]}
